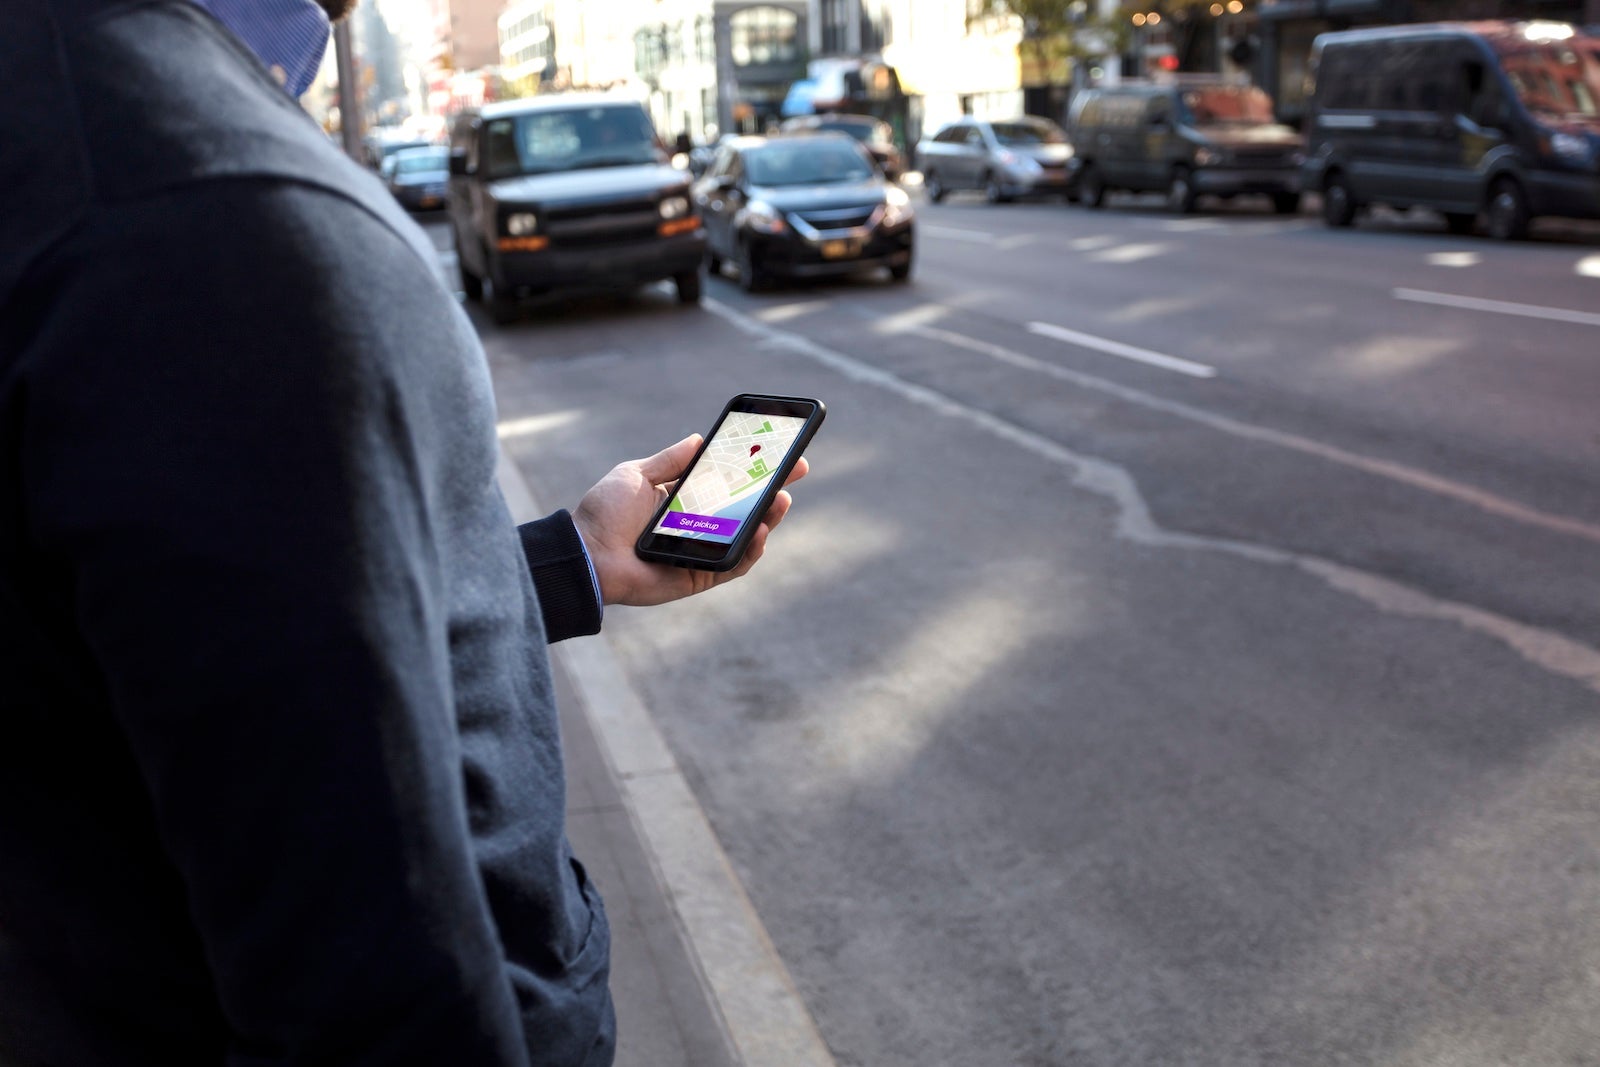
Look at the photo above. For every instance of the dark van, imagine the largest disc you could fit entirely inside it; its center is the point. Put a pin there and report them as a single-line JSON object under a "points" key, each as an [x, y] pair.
{"points": [[568, 191], [1498, 119], [1189, 139]]}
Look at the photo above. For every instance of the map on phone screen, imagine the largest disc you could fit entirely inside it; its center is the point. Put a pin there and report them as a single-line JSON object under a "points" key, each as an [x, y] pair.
{"points": [[736, 467]]}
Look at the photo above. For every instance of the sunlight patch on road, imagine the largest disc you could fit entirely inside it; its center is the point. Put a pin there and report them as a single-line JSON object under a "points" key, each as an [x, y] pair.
{"points": [[787, 312], [1130, 253], [1454, 259], [1089, 244], [534, 424], [1385, 357], [911, 318], [1588, 267]]}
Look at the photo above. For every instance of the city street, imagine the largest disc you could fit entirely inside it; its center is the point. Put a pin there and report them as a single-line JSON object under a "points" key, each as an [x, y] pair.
{"points": [[1186, 649]]}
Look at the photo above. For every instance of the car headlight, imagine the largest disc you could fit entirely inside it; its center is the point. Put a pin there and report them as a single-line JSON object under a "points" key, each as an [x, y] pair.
{"points": [[763, 217], [522, 224], [1206, 157], [1572, 148], [896, 207], [674, 207]]}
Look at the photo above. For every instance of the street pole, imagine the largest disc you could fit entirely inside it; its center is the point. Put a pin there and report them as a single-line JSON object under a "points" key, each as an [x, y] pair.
{"points": [[349, 109]]}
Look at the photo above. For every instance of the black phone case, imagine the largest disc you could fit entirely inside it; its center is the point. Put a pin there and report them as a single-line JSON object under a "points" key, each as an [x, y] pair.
{"points": [[741, 541]]}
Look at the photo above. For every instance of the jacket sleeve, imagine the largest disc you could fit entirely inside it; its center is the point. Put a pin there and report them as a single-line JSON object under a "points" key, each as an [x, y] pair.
{"points": [[230, 461], [569, 595]]}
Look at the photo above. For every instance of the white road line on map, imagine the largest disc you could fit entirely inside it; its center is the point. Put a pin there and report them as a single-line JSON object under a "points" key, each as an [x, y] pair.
{"points": [[1398, 472], [1544, 648], [956, 233], [1117, 348], [757, 1002], [1499, 307]]}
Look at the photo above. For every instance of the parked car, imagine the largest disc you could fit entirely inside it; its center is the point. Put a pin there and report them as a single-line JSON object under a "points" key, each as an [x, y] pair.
{"points": [[1188, 138], [803, 207], [568, 191], [384, 143], [418, 177], [875, 136], [1017, 157], [1499, 119]]}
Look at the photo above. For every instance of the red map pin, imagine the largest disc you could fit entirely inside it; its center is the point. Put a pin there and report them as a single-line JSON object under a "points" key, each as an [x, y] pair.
{"points": [[754, 449]]}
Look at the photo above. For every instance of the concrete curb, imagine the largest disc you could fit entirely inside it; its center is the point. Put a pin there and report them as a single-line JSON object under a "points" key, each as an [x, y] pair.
{"points": [[765, 1019]]}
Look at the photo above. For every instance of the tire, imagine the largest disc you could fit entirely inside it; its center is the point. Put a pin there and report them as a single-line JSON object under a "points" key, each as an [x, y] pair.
{"points": [[992, 191], [1508, 211], [1180, 191], [750, 279], [933, 187], [503, 307], [471, 284], [713, 262], [1091, 189], [1285, 203], [1460, 223], [1338, 206], [688, 285]]}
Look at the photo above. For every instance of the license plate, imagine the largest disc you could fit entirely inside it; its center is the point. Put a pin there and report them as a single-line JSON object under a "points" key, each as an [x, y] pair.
{"points": [[837, 249]]}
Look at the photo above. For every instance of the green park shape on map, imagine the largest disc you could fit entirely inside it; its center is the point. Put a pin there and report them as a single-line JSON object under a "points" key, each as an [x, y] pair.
{"points": [[730, 467]]}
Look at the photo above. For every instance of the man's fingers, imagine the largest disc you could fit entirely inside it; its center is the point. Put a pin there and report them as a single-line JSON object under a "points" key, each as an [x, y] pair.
{"points": [[799, 471], [669, 462], [779, 508]]}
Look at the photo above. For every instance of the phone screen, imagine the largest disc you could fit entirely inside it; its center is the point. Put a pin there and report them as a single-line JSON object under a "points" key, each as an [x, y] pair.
{"points": [[715, 500]]}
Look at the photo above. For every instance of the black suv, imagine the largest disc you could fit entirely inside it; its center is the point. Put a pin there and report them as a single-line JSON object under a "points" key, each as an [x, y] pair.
{"points": [[570, 191]]}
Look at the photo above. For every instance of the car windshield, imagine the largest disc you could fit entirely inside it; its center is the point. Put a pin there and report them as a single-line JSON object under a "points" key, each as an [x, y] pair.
{"points": [[1556, 78], [576, 139], [1229, 106], [866, 130], [806, 161], [1023, 134], [420, 160]]}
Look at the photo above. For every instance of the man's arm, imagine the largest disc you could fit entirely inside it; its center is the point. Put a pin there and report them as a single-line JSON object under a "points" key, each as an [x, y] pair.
{"points": [[231, 471]]}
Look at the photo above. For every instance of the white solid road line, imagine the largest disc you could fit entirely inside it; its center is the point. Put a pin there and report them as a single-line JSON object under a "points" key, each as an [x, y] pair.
{"points": [[766, 1019], [1547, 649], [1117, 348], [1383, 468], [1499, 307]]}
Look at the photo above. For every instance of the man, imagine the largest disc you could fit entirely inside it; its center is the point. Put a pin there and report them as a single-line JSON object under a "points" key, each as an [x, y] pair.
{"points": [[279, 769]]}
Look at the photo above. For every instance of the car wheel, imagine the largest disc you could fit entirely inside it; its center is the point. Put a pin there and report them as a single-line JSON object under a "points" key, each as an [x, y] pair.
{"points": [[713, 262], [1285, 203], [1508, 211], [993, 191], [750, 279], [503, 307], [1180, 191], [1460, 223], [1091, 189], [933, 187], [688, 285], [1338, 206]]}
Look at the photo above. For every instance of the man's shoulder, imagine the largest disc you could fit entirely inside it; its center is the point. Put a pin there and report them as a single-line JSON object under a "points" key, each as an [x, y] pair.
{"points": [[135, 98]]}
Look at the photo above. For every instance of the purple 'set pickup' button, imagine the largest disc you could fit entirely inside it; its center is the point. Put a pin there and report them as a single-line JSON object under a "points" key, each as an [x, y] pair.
{"points": [[692, 523]]}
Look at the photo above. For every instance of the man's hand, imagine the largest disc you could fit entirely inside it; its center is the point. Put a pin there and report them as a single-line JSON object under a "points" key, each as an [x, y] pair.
{"points": [[613, 514]]}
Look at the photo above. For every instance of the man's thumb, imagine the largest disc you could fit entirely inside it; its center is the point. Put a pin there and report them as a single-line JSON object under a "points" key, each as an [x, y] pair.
{"points": [[669, 462]]}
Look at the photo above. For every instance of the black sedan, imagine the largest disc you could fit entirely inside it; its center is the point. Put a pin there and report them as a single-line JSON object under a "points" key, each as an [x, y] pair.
{"points": [[419, 177], [802, 207]]}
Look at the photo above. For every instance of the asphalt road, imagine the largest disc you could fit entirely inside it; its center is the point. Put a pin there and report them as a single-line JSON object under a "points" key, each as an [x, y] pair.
{"points": [[1186, 650]]}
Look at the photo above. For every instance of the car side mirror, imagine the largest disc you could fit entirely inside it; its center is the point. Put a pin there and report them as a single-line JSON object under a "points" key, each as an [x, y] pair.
{"points": [[458, 163]]}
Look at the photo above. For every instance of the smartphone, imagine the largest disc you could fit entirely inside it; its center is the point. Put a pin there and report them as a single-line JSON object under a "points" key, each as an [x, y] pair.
{"points": [[731, 482]]}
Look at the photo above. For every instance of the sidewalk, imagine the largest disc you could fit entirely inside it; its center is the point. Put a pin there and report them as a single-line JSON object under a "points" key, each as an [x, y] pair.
{"points": [[665, 1016]]}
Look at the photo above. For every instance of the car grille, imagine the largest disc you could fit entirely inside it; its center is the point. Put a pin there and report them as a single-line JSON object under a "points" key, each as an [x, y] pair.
{"points": [[602, 224], [847, 218], [1263, 157]]}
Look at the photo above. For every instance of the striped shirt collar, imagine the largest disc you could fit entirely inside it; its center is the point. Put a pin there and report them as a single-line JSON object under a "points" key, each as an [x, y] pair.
{"points": [[290, 34]]}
